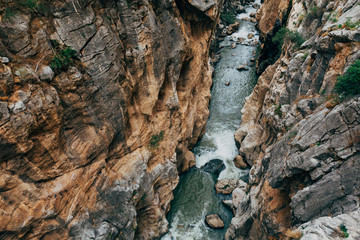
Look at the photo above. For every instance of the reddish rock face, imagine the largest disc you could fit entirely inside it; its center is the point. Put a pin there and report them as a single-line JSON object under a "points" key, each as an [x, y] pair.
{"points": [[87, 147]]}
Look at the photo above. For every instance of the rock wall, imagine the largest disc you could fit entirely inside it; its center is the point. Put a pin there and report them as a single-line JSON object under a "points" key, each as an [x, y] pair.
{"points": [[302, 145], [92, 149]]}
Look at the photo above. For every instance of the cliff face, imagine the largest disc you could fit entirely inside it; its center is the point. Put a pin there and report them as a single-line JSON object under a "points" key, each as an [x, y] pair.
{"points": [[91, 147], [303, 146]]}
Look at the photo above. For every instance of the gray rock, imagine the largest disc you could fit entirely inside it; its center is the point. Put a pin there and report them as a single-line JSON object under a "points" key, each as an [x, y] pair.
{"points": [[4, 111], [344, 35], [17, 107], [46, 73], [76, 27], [4, 60], [328, 228]]}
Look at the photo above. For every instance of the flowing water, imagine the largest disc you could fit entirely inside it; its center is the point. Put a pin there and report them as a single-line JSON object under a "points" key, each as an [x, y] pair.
{"points": [[195, 195]]}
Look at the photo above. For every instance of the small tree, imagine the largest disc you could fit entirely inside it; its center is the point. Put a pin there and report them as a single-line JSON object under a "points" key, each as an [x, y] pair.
{"points": [[349, 83]]}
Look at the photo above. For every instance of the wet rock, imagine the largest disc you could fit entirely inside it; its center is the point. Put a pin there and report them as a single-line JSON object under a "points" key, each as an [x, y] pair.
{"points": [[239, 162], [214, 166], [250, 35], [252, 59], [256, 5], [252, 15], [228, 204], [233, 45], [242, 68], [240, 9], [240, 40], [233, 28], [227, 83], [214, 221], [245, 19], [253, 20]]}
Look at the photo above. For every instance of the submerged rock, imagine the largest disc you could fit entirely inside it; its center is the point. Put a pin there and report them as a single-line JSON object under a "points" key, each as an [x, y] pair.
{"points": [[214, 221], [214, 166]]}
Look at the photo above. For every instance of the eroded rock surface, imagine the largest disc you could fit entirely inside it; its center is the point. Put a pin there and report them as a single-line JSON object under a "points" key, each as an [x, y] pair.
{"points": [[92, 150], [303, 146]]}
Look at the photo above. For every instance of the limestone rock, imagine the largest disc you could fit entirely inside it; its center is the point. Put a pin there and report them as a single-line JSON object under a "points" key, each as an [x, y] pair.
{"points": [[46, 73], [214, 221], [92, 150]]}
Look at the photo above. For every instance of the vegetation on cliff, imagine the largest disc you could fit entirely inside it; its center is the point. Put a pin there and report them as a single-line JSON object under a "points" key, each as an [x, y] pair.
{"points": [[349, 83]]}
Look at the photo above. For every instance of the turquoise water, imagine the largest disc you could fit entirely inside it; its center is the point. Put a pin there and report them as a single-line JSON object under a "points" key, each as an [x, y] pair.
{"points": [[195, 196]]}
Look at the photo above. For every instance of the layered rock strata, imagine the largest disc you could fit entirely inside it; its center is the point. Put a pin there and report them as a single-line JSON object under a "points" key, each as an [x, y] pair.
{"points": [[91, 148], [303, 145]]}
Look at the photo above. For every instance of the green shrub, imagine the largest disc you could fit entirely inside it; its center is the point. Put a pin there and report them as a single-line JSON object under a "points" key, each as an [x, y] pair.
{"points": [[63, 59], [349, 83], [285, 34], [156, 139], [344, 230], [9, 12], [30, 4], [314, 13], [350, 25], [228, 18], [278, 111]]}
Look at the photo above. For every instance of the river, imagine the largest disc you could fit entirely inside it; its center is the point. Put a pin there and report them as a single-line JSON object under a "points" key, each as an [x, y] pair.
{"points": [[195, 195]]}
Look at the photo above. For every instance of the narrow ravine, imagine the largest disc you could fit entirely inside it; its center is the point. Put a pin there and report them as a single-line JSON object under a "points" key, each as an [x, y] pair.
{"points": [[195, 195]]}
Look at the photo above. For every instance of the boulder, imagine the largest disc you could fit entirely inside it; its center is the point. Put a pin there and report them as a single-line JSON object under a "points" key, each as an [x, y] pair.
{"points": [[250, 35], [227, 83], [239, 162], [256, 5], [242, 68], [214, 166], [240, 40], [252, 14], [214, 221], [240, 9], [226, 186], [233, 27], [46, 73], [4, 60], [233, 45]]}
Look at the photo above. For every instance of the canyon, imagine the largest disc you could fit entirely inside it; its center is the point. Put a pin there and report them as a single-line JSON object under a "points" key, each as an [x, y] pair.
{"points": [[103, 104]]}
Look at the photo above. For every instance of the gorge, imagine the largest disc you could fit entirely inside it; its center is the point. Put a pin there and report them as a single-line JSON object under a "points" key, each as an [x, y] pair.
{"points": [[104, 104]]}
